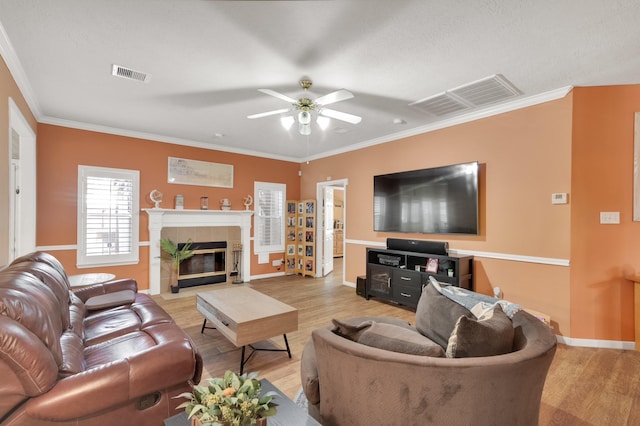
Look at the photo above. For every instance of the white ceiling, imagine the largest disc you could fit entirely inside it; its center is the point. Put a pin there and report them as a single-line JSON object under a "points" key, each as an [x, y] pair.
{"points": [[208, 58]]}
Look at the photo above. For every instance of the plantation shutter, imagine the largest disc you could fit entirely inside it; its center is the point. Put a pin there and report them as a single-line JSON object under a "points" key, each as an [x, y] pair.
{"points": [[269, 217], [107, 216]]}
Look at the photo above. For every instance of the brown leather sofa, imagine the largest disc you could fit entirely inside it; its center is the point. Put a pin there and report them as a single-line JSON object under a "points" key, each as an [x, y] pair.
{"points": [[102, 355], [347, 382]]}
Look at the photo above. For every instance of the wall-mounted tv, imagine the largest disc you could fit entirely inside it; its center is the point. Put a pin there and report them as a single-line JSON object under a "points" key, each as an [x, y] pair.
{"points": [[439, 200]]}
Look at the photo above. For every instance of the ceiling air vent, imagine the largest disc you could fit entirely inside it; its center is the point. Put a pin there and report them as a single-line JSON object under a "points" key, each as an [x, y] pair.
{"points": [[480, 93], [128, 73]]}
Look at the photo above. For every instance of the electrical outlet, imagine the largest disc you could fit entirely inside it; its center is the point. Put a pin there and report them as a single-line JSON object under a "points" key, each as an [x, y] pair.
{"points": [[277, 262]]}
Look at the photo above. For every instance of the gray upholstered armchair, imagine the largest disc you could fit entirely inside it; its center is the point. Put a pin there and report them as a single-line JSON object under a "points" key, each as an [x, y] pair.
{"points": [[350, 383]]}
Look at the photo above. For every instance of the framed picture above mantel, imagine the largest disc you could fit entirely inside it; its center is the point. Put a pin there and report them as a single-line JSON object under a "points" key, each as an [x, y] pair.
{"points": [[201, 173]]}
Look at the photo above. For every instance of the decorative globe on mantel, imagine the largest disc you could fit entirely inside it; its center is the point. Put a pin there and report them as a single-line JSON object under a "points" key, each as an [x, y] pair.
{"points": [[156, 197], [247, 201]]}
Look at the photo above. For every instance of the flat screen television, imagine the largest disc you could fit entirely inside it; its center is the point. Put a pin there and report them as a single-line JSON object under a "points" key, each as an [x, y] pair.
{"points": [[439, 200]]}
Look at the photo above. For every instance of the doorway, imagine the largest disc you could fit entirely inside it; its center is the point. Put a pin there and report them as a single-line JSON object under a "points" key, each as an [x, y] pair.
{"points": [[331, 197], [22, 184]]}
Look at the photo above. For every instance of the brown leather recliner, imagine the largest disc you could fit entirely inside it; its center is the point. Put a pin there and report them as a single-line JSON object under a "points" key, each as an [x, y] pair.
{"points": [[63, 364]]}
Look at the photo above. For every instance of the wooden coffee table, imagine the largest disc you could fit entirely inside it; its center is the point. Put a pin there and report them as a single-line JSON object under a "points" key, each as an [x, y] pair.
{"points": [[245, 316]]}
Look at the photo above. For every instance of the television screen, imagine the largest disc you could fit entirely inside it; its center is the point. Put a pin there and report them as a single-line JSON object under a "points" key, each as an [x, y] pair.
{"points": [[440, 200]]}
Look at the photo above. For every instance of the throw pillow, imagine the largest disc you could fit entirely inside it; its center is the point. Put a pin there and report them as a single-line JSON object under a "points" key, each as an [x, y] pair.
{"points": [[436, 315], [491, 335], [349, 331], [398, 339]]}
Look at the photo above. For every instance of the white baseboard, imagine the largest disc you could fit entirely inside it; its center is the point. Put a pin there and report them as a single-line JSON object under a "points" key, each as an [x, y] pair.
{"points": [[273, 275], [595, 343]]}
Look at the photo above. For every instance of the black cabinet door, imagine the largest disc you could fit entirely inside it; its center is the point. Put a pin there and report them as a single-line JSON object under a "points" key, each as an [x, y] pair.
{"points": [[379, 281]]}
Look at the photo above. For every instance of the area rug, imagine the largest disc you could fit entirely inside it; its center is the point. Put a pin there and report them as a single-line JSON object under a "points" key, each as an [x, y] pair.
{"points": [[301, 399]]}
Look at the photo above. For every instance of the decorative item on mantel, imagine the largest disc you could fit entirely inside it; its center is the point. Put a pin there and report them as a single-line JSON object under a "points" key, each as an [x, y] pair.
{"points": [[156, 197], [225, 204], [247, 201], [179, 202], [231, 400]]}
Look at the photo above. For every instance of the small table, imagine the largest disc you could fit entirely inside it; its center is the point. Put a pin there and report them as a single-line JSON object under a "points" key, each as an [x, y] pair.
{"points": [[288, 413], [245, 316], [83, 280]]}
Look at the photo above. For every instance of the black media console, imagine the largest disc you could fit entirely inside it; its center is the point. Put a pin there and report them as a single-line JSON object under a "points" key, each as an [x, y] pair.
{"points": [[398, 276]]}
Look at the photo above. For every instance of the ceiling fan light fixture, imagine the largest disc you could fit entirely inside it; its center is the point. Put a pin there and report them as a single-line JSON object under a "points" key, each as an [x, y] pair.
{"points": [[304, 117], [323, 122], [287, 122], [304, 129]]}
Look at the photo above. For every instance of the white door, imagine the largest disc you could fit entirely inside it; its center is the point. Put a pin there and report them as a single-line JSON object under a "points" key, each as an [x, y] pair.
{"points": [[327, 255], [22, 185]]}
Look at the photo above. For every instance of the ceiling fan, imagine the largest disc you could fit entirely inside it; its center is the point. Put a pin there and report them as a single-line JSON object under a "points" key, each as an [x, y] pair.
{"points": [[306, 106]]}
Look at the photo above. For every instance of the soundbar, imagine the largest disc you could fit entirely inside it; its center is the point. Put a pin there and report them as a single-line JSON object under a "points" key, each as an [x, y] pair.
{"points": [[418, 246]]}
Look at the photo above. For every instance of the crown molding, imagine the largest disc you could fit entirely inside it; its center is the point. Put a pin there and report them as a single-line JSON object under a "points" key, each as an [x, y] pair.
{"points": [[15, 68], [159, 138], [514, 105], [10, 57]]}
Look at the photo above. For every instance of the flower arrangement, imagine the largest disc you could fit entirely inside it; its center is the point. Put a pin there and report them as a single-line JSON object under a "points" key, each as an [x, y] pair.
{"points": [[231, 400]]}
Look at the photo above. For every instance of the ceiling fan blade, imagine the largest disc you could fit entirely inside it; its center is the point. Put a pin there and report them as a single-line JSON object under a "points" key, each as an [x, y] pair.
{"points": [[333, 97], [268, 113], [349, 118], [278, 95]]}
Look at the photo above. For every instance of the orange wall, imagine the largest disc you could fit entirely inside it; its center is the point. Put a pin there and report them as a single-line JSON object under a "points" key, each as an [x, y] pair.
{"points": [[582, 145], [8, 89], [525, 156], [602, 176], [60, 150]]}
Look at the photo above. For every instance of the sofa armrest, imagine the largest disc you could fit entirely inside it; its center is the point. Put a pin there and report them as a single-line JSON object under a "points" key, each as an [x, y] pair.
{"points": [[116, 383], [105, 288]]}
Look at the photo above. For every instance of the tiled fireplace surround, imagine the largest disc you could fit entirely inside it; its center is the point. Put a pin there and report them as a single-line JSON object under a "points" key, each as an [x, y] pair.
{"points": [[232, 226]]}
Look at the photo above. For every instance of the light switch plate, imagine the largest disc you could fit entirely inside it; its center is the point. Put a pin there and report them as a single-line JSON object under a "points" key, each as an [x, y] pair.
{"points": [[610, 218]]}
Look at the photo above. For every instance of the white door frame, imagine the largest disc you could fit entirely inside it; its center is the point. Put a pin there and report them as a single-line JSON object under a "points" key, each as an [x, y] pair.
{"points": [[342, 183], [327, 231], [22, 205]]}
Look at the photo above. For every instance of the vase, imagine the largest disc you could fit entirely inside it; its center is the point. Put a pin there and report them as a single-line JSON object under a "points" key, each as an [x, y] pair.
{"points": [[261, 421]]}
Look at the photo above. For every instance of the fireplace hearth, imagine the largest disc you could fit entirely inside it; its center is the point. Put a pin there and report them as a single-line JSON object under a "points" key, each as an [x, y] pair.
{"points": [[208, 265]]}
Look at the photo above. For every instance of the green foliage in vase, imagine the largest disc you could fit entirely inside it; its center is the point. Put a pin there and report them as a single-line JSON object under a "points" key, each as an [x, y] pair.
{"points": [[231, 400]]}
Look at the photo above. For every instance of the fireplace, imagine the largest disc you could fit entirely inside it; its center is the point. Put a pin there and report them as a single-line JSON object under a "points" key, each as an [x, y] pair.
{"points": [[162, 218], [208, 265]]}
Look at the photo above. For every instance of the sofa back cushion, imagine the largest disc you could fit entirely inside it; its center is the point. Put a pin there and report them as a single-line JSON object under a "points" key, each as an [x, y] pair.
{"points": [[44, 257], [52, 278], [436, 315], [27, 367], [25, 299], [389, 337], [487, 336]]}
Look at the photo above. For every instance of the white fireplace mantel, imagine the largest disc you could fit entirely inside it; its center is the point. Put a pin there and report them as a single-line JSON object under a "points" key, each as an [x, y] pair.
{"points": [[164, 218]]}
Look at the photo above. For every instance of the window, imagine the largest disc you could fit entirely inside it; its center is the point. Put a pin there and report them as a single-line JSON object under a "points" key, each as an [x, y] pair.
{"points": [[108, 205], [269, 217]]}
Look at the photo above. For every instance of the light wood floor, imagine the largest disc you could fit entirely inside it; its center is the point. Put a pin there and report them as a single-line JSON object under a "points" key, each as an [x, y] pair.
{"points": [[585, 386]]}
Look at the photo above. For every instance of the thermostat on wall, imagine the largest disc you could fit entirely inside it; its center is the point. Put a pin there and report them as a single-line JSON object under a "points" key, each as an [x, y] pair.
{"points": [[559, 198]]}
